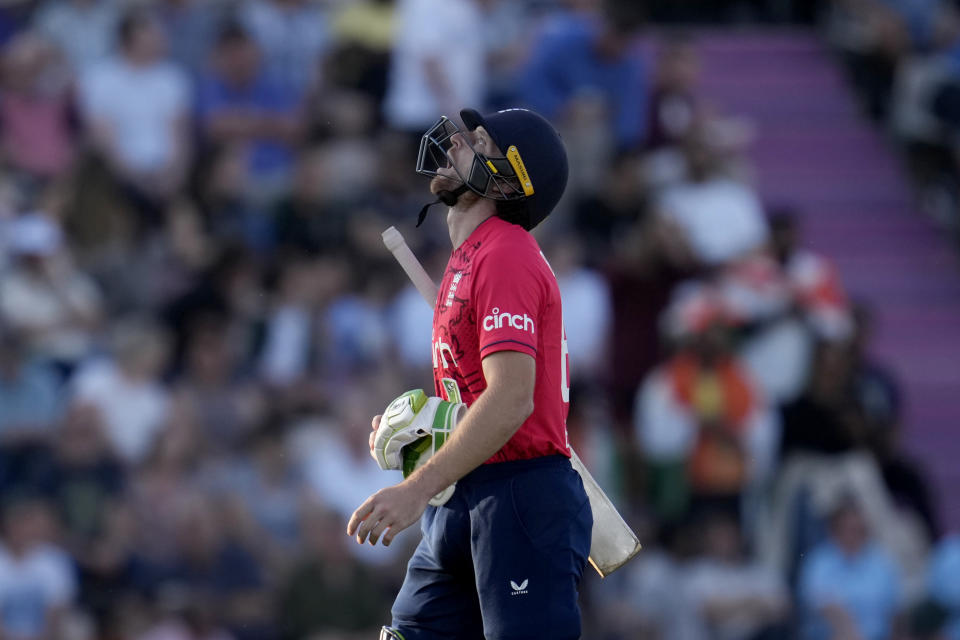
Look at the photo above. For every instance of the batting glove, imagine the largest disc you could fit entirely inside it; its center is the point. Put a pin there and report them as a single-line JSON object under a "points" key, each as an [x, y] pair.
{"points": [[413, 419]]}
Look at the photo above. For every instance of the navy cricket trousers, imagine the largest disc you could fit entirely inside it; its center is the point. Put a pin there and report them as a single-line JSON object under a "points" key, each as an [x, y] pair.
{"points": [[502, 560]]}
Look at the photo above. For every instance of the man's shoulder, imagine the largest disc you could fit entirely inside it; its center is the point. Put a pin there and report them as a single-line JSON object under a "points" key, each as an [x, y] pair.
{"points": [[508, 246], [510, 257]]}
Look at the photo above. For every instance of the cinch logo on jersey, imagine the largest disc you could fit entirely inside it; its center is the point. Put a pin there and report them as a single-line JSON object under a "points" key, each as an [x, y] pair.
{"points": [[497, 320]]}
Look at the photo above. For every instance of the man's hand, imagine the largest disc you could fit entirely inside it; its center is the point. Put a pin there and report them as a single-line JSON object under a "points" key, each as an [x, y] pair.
{"points": [[387, 512], [375, 424]]}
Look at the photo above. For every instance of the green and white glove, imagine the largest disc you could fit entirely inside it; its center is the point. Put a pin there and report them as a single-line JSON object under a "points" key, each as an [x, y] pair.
{"points": [[412, 429]]}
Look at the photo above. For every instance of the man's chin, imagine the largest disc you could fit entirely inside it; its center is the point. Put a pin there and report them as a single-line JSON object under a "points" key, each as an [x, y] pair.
{"points": [[443, 183]]}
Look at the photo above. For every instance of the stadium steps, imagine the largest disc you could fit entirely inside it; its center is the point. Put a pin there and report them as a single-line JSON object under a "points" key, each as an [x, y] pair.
{"points": [[816, 152]]}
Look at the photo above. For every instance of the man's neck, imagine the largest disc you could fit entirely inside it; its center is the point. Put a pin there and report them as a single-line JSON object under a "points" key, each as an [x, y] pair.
{"points": [[461, 222]]}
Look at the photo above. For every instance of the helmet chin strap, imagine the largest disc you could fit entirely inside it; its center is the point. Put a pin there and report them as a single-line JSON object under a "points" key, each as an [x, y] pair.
{"points": [[448, 198]]}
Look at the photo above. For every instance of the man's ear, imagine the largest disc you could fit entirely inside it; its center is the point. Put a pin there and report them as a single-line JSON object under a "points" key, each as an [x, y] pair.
{"points": [[485, 143]]}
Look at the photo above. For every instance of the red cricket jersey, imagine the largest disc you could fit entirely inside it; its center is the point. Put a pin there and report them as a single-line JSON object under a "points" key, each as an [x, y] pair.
{"points": [[499, 294]]}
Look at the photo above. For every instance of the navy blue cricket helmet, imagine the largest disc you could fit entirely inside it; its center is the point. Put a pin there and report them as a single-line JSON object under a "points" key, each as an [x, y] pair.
{"points": [[532, 173]]}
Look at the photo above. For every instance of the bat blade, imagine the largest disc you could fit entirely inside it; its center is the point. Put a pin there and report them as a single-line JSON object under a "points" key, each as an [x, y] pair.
{"points": [[613, 542]]}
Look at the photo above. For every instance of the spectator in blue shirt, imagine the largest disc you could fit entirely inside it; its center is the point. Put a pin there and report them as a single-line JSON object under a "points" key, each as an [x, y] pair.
{"points": [[944, 582], [849, 585], [580, 55], [29, 408], [239, 105], [920, 18], [28, 394]]}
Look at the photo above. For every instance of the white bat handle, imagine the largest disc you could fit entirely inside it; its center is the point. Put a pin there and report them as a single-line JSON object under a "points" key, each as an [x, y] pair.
{"points": [[394, 241]]}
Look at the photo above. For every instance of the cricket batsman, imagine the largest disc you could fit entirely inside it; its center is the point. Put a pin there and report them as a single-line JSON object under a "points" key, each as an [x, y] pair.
{"points": [[506, 522]]}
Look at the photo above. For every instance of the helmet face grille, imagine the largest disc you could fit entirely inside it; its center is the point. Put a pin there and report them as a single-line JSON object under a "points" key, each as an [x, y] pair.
{"points": [[490, 177], [434, 146]]}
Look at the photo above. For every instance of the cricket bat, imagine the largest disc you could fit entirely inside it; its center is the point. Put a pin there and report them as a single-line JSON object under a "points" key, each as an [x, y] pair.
{"points": [[613, 543]]}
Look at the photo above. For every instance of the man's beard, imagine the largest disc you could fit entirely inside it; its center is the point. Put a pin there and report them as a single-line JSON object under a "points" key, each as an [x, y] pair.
{"points": [[442, 182], [453, 192]]}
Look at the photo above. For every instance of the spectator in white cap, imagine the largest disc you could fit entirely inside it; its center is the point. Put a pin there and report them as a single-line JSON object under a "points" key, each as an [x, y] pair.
{"points": [[54, 305]]}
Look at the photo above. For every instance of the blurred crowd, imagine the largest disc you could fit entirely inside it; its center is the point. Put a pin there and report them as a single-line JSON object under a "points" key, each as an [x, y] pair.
{"points": [[198, 320], [904, 58]]}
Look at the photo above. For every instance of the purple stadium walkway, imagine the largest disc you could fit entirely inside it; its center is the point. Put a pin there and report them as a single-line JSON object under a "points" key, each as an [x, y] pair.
{"points": [[815, 151]]}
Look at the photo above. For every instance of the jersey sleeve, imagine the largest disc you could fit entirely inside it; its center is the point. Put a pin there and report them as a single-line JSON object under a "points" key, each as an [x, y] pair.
{"points": [[509, 297]]}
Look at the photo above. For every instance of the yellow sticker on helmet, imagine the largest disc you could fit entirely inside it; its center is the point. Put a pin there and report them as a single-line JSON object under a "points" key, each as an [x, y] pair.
{"points": [[514, 157]]}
